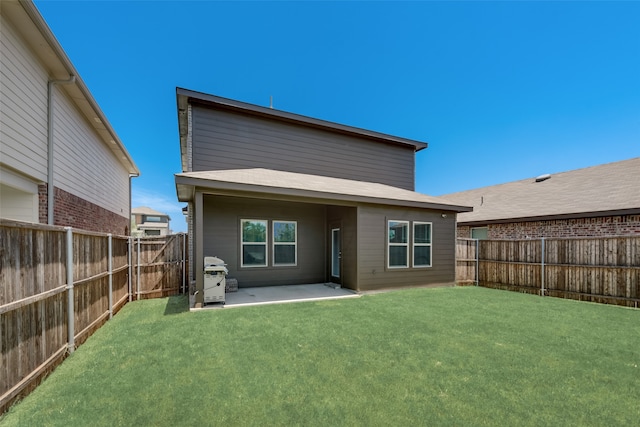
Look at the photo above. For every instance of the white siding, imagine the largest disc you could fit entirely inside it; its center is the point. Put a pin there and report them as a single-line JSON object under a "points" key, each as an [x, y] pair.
{"points": [[85, 167], [23, 106]]}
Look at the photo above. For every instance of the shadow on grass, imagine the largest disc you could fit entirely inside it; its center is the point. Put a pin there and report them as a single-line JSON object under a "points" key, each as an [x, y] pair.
{"points": [[177, 304]]}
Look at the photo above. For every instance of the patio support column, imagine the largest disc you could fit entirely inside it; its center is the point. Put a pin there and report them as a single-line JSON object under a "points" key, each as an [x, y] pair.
{"points": [[198, 249]]}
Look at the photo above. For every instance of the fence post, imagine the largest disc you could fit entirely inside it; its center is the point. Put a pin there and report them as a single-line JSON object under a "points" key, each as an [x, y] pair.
{"points": [[110, 272], [130, 245], [138, 272], [70, 298], [477, 262], [184, 255], [542, 268]]}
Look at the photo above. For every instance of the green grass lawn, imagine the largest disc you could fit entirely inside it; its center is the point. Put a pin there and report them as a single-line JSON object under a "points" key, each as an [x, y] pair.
{"points": [[450, 356]]}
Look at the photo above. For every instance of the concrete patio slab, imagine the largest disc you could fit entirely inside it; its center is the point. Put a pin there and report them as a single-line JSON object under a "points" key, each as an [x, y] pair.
{"points": [[279, 295]]}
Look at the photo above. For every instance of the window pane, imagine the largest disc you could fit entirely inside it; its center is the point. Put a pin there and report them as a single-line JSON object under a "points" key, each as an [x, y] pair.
{"points": [[422, 233], [421, 256], [254, 255], [284, 254], [398, 256], [479, 233], [284, 232], [398, 232], [254, 231]]}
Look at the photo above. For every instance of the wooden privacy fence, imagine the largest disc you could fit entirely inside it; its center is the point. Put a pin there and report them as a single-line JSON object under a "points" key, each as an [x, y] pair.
{"points": [[467, 261], [598, 269], [160, 266], [58, 285]]}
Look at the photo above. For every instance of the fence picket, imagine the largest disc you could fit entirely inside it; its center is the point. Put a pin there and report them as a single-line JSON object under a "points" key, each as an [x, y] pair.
{"points": [[45, 270], [599, 269]]}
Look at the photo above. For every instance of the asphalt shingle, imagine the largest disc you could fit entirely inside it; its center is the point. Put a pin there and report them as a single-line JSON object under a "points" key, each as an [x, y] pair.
{"points": [[597, 189]]}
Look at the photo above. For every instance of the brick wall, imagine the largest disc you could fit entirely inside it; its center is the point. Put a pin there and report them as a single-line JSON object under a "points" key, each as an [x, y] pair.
{"points": [[42, 203], [621, 225], [73, 211], [463, 231]]}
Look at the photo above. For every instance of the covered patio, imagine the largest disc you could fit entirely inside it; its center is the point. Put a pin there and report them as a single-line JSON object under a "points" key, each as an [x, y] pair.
{"points": [[337, 231], [265, 295]]}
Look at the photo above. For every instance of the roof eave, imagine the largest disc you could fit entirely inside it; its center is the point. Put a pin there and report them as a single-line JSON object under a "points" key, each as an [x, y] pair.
{"points": [[183, 127], [187, 186], [576, 215], [185, 96]]}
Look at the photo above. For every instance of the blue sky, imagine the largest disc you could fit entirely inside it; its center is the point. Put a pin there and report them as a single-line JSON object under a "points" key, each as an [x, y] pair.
{"points": [[501, 91]]}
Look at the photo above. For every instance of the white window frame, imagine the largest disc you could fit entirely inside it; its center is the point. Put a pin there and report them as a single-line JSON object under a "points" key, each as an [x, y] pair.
{"points": [[274, 243], [429, 245], [405, 245], [265, 243]]}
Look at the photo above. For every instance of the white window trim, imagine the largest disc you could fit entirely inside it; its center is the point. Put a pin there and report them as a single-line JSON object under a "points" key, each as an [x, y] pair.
{"points": [[413, 257], [274, 243], [265, 243], [390, 245]]}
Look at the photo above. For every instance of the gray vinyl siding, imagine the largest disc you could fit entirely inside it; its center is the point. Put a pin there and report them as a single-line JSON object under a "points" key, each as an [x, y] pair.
{"points": [[221, 237], [23, 106], [224, 140], [372, 246]]}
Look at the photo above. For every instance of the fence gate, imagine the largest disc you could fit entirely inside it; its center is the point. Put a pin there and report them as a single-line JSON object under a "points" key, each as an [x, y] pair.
{"points": [[160, 266]]}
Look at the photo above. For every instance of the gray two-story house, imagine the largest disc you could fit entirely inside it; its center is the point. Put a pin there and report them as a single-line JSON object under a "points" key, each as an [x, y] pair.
{"points": [[287, 199]]}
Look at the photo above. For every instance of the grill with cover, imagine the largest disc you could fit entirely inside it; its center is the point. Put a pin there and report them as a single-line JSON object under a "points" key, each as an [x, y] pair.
{"points": [[215, 273]]}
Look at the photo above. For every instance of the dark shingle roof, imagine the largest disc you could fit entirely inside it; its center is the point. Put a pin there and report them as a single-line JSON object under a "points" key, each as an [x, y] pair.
{"points": [[594, 191]]}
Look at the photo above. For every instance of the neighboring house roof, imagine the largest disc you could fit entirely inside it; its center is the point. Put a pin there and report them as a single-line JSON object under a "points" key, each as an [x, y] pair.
{"points": [[607, 189], [36, 32], [273, 184], [184, 97], [144, 210]]}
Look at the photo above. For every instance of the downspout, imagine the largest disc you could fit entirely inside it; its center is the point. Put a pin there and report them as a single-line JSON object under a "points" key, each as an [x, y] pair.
{"points": [[50, 198]]}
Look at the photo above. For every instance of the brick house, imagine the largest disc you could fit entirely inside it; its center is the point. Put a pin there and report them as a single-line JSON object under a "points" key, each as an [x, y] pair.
{"points": [[61, 162], [286, 199], [601, 200]]}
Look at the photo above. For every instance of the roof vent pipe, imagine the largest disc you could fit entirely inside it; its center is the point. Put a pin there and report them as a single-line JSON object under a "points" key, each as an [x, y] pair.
{"points": [[543, 177], [50, 119]]}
